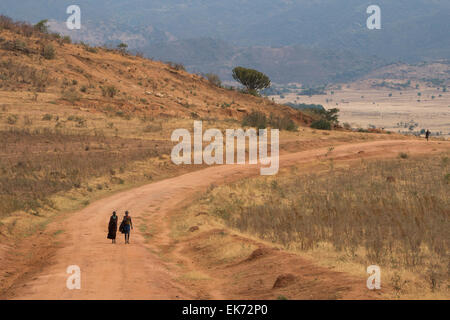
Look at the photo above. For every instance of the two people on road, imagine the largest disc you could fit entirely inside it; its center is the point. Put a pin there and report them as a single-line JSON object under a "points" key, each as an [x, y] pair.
{"points": [[125, 227]]}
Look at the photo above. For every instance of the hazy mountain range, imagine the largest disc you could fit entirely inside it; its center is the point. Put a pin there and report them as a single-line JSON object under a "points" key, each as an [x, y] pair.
{"points": [[291, 40]]}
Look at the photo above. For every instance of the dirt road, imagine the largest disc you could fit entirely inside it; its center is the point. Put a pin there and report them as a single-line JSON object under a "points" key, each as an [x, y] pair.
{"points": [[135, 271]]}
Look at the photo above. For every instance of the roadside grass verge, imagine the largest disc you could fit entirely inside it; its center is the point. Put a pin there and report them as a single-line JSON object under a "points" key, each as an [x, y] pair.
{"points": [[392, 213]]}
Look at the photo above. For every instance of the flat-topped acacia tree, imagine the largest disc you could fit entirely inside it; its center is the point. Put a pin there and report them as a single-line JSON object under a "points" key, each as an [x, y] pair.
{"points": [[252, 79]]}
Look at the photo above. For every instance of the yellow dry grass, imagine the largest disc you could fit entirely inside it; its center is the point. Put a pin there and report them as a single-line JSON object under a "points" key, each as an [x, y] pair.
{"points": [[392, 213]]}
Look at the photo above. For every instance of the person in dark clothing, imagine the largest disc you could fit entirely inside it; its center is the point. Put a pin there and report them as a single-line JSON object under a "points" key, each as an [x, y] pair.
{"points": [[112, 227], [127, 227], [427, 134]]}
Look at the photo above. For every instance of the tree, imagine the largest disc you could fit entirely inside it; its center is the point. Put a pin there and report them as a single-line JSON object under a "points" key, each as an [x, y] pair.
{"points": [[253, 80], [41, 26], [122, 47]]}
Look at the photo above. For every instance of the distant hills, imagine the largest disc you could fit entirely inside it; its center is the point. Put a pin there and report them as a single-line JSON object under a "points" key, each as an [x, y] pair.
{"points": [[285, 64], [312, 41]]}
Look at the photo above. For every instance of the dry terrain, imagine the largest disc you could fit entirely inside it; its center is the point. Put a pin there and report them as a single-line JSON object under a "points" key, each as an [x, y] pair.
{"points": [[85, 131], [363, 104], [170, 259]]}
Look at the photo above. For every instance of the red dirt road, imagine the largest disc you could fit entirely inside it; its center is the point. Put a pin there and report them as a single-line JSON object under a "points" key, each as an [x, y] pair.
{"points": [[135, 271]]}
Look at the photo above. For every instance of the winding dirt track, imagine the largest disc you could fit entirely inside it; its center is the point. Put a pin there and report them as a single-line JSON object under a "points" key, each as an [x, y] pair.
{"points": [[134, 271]]}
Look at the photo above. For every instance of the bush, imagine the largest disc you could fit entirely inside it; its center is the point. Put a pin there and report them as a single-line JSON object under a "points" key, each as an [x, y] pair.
{"points": [[12, 119], [259, 120], [109, 91], [321, 124], [176, 66], [213, 79], [88, 48], [284, 123], [66, 39], [255, 119], [153, 128], [48, 51], [70, 95]]}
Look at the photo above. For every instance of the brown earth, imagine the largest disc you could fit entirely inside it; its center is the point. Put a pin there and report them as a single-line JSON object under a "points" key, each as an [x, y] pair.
{"points": [[153, 265], [78, 76]]}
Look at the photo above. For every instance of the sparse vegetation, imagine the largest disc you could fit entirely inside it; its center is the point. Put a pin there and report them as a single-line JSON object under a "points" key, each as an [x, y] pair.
{"points": [[48, 51], [14, 74], [176, 66], [213, 79], [392, 213], [109, 91], [70, 95], [321, 124], [28, 179], [260, 121]]}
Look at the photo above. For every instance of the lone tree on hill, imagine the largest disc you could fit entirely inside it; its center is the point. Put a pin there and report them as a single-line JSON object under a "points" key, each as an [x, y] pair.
{"points": [[253, 80], [122, 47], [42, 26]]}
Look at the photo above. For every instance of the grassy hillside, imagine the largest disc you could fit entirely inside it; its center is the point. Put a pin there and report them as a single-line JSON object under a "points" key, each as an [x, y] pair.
{"points": [[112, 82], [78, 122]]}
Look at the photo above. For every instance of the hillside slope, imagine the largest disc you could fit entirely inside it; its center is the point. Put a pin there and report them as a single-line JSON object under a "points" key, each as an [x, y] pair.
{"points": [[111, 81]]}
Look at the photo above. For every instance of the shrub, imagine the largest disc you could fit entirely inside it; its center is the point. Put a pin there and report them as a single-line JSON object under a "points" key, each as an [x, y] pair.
{"points": [[48, 51], [109, 91], [213, 79], [282, 123], [255, 119], [176, 66], [47, 117], [403, 155], [66, 39], [153, 128], [447, 178], [70, 95], [321, 124], [88, 48], [12, 119], [259, 120]]}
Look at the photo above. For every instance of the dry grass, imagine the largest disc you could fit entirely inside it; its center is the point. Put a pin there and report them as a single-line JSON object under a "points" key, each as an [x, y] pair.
{"points": [[15, 76], [392, 213], [37, 164]]}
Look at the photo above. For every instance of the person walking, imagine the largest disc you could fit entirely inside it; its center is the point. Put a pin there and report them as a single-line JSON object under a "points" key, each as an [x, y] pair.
{"points": [[112, 227], [127, 226], [427, 134]]}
